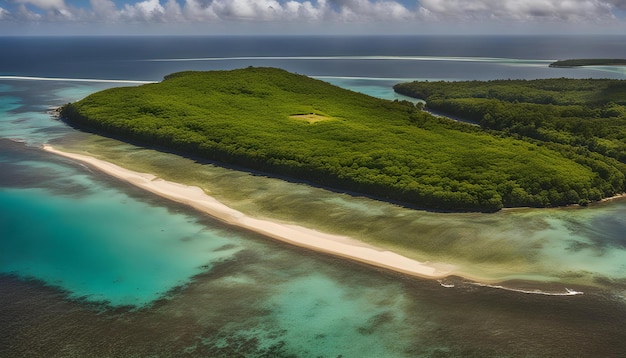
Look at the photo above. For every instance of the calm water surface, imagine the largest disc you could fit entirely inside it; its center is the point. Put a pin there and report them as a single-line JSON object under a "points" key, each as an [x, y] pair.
{"points": [[93, 266]]}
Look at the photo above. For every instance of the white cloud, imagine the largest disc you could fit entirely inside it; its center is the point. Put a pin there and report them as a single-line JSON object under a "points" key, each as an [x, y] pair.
{"points": [[619, 4], [358, 10], [104, 9], [45, 4], [530, 10], [254, 10], [173, 12], [25, 14], [53, 10], [306, 10], [195, 10], [247, 9], [213, 10], [443, 13], [143, 11]]}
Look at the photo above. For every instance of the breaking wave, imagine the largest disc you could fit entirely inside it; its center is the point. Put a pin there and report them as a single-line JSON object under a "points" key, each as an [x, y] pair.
{"points": [[374, 58], [568, 292], [61, 79]]}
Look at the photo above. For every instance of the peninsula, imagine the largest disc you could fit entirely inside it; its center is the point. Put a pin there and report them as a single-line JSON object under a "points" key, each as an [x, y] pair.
{"points": [[294, 126], [589, 62]]}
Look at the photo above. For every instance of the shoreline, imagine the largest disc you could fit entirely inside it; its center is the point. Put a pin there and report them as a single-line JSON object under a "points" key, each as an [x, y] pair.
{"points": [[615, 197], [336, 245], [611, 198]]}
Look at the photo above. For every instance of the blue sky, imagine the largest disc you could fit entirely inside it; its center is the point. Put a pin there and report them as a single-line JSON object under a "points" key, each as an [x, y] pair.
{"points": [[206, 17]]}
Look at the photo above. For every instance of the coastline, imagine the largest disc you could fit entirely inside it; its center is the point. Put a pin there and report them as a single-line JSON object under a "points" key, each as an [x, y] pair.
{"points": [[341, 246], [611, 198], [619, 196], [588, 62]]}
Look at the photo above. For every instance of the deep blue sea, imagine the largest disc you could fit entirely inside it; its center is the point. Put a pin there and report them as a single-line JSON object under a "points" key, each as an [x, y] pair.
{"points": [[91, 266]]}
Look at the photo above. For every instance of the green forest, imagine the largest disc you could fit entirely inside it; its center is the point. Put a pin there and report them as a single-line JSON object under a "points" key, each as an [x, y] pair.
{"points": [[291, 125], [589, 62]]}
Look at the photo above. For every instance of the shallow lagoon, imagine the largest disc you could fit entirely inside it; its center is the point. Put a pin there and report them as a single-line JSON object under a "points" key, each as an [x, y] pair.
{"points": [[563, 245], [206, 289], [94, 266]]}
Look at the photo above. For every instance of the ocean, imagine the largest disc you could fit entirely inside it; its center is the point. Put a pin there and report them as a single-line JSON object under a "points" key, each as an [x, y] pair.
{"points": [[92, 266]]}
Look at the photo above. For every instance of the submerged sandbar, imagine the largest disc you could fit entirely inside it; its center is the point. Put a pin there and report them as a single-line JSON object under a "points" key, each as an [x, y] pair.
{"points": [[336, 245]]}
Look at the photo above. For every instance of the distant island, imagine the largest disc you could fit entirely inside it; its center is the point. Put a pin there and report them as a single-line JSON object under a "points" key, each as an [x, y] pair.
{"points": [[589, 62], [291, 125]]}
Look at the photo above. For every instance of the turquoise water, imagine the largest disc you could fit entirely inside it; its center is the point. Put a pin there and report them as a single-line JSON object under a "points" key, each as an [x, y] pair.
{"points": [[99, 243], [98, 250], [91, 265], [573, 246], [8, 103], [567, 246], [381, 88]]}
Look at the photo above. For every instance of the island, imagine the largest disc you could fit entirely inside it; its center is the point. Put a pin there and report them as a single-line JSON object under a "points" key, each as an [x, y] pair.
{"points": [[589, 62], [297, 127]]}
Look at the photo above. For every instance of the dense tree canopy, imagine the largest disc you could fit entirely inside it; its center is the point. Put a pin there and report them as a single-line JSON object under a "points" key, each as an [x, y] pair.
{"points": [[587, 114], [589, 62], [254, 118]]}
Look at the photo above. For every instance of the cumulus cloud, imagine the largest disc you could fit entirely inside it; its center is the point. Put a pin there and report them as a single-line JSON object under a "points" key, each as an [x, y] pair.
{"points": [[365, 9], [145, 10], [558, 10], [247, 9], [213, 10], [44, 4], [255, 10], [23, 13], [198, 10], [104, 9], [311, 11], [54, 10], [619, 4]]}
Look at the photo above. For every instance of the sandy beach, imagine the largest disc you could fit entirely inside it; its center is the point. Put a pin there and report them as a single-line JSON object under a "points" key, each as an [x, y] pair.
{"points": [[336, 245]]}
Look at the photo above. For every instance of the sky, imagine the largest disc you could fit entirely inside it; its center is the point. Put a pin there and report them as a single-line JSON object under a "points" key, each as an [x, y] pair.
{"points": [[299, 17]]}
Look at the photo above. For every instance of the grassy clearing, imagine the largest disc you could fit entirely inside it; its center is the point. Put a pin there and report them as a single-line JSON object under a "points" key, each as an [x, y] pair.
{"points": [[310, 118]]}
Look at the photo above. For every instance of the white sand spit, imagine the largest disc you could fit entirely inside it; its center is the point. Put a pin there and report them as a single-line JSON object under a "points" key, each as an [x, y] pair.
{"points": [[195, 197]]}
